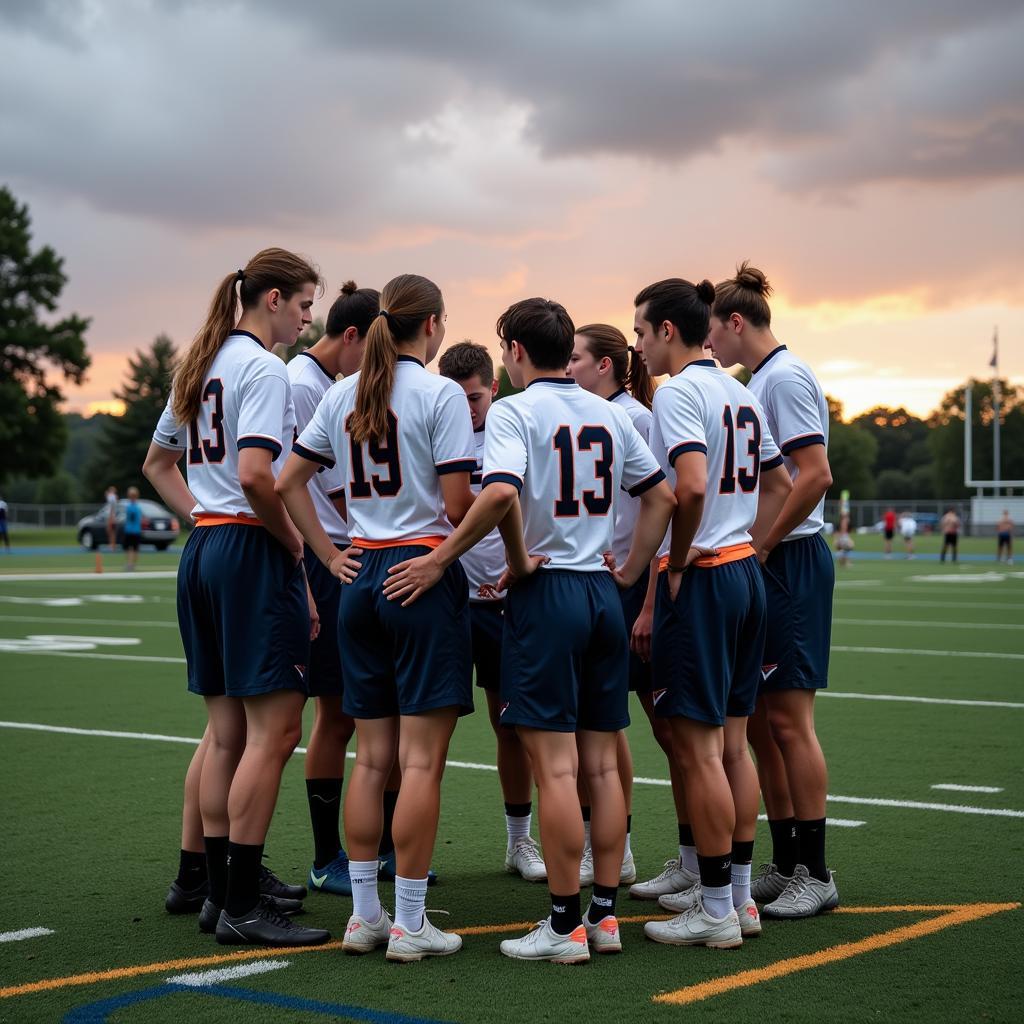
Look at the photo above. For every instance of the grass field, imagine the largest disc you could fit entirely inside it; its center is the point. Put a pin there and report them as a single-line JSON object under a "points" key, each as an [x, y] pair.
{"points": [[97, 733]]}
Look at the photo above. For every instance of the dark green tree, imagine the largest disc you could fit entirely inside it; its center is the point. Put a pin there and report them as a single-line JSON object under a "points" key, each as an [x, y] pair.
{"points": [[851, 456], [33, 352], [122, 445], [901, 439]]}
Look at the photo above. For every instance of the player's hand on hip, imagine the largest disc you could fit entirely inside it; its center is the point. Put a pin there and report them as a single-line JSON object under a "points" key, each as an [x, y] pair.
{"points": [[513, 574], [697, 552], [344, 564], [609, 560], [412, 578]]}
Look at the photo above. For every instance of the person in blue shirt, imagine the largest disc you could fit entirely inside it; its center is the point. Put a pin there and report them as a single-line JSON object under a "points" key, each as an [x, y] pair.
{"points": [[132, 528]]}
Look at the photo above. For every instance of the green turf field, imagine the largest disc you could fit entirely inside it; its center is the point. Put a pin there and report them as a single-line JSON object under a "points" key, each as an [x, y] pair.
{"points": [[91, 831]]}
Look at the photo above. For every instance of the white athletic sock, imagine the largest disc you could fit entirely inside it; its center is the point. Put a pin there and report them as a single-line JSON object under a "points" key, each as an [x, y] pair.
{"points": [[365, 902], [627, 850], [688, 857], [410, 899], [717, 901], [740, 884], [518, 828]]}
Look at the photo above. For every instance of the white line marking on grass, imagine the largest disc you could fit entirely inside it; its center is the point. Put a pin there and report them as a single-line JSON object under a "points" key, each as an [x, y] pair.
{"points": [[967, 577], [200, 979], [92, 577], [106, 657], [918, 651], [25, 933], [921, 700], [967, 789], [858, 583], [901, 622], [991, 605], [163, 624], [872, 801]]}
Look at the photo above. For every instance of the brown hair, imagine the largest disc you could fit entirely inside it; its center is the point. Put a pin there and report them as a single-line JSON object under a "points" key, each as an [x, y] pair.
{"points": [[405, 304], [627, 367], [747, 294], [465, 360], [543, 328], [686, 305], [270, 268]]}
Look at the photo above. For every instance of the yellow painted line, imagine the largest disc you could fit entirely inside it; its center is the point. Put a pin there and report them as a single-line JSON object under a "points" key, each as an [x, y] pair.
{"points": [[834, 954]]}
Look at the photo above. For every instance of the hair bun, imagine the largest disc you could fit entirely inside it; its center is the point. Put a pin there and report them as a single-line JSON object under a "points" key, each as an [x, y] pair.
{"points": [[706, 292], [752, 279], [349, 288]]}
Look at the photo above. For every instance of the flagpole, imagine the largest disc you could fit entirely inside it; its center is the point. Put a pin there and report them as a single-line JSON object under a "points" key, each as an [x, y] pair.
{"points": [[997, 462]]}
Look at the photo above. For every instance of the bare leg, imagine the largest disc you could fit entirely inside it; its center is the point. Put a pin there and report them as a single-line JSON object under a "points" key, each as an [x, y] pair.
{"points": [[376, 747], [599, 761]]}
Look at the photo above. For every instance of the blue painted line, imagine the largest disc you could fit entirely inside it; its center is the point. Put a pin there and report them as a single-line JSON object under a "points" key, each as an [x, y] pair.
{"points": [[99, 1013]]}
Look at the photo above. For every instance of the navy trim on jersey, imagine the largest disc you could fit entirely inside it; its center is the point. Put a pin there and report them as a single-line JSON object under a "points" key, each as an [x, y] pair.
{"points": [[409, 359], [801, 442], [771, 355], [645, 485], [456, 466], [699, 362], [338, 492], [553, 380], [621, 391], [312, 456], [309, 355], [771, 463], [249, 334], [260, 442], [686, 446], [503, 478]]}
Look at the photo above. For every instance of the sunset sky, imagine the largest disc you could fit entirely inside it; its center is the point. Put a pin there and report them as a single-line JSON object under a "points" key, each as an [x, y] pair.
{"points": [[868, 157]]}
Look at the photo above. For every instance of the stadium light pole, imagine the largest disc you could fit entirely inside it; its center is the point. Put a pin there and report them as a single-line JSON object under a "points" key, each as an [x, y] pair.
{"points": [[996, 460]]}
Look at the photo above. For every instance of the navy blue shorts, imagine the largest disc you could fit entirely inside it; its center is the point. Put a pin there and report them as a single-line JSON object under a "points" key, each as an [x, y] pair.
{"points": [[243, 613], [488, 622], [323, 679], [707, 644], [402, 661], [565, 654], [640, 679], [799, 577], [131, 541]]}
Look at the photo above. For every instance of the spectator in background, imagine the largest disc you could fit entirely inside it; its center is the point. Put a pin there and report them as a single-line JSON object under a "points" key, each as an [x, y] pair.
{"points": [[889, 523], [132, 528], [1004, 537], [950, 525], [908, 527], [3, 524], [844, 542], [111, 498]]}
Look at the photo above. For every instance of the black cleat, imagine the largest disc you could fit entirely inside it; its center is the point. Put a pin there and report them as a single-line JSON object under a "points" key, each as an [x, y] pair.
{"points": [[210, 913], [271, 885], [265, 925], [186, 901]]}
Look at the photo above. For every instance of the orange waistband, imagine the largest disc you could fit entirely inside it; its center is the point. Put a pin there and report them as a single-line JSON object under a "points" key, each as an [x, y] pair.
{"points": [[732, 553], [401, 542], [213, 519]]}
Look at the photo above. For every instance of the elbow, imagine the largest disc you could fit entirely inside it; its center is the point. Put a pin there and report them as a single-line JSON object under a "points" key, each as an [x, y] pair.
{"points": [[691, 494], [826, 481]]}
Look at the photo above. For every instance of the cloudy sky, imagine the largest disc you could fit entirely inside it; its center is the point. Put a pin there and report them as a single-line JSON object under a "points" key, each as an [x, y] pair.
{"points": [[869, 157]]}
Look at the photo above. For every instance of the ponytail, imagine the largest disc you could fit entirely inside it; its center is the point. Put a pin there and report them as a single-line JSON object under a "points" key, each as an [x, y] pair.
{"points": [[639, 381], [628, 369], [406, 303]]}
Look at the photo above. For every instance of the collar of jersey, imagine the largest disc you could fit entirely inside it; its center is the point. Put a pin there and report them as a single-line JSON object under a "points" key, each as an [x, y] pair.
{"points": [[699, 362], [552, 380], [323, 370], [771, 355], [249, 334], [621, 391], [409, 359]]}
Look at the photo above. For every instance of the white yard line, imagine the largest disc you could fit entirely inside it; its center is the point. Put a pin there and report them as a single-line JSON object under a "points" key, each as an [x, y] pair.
{"points": [[912, 602], [200, 979], [24, 933], [127, 623], [477, 766], [908, 622], [956, 788], [921, 700], [922, 652], [93, 577], [105, 657]]}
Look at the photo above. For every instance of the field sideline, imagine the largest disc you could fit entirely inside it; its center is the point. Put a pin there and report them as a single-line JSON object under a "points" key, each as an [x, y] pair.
{"points": [[922, 728]]}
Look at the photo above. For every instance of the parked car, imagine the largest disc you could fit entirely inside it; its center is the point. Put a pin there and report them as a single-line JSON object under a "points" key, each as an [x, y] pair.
{"points": [[159, 527]]}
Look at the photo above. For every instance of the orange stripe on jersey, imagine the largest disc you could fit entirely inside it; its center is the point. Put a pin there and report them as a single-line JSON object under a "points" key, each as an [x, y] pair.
{"points": [[213, 519], [398, 542], [732, 553]]}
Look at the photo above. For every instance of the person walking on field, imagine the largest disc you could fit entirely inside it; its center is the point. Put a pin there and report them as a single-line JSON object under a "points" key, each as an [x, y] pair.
{"points": [[908, 528], [132, 529], [1004, 537], [951, 526], [889, 525]]}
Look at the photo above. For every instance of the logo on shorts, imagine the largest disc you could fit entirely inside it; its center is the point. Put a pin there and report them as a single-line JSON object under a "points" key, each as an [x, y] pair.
{"points": [[301, 669], [767, 670], [658, 694], [504, 708]]}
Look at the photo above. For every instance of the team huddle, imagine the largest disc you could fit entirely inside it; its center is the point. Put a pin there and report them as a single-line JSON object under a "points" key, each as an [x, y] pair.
{"points": [[377, 542]]}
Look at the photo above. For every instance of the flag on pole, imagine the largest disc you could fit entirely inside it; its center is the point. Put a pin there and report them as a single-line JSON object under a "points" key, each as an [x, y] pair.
{"points": [[994, 361]]}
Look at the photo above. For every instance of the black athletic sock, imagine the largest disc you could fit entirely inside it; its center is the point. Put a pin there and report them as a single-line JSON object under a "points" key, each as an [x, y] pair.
{"points": [[585, 808], [716, 871], [742, 851], [217, 868], [324, 796], [811, 836], [518, 810], [686, 834], [387, 844], [243, 877], [629, 824], [602, 903], [191, 870], [565, 913], [785, 847]]}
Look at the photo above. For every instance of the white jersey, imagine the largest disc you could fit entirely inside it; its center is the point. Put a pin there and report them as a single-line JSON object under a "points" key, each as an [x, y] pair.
{"points": [[908, 526], [797, 414], [246, 403], [703, 409], [568, 452], [485, 561], [392, 486], [310, 382], [627, 508]]}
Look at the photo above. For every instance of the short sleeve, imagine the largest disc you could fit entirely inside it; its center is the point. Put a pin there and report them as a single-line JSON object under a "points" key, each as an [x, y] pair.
{"points": [[261, 412], [451, 439], [680, 421], [169, 433], [770, 454], [793, 405], [505, 448], [314, 442], [640, 469]]}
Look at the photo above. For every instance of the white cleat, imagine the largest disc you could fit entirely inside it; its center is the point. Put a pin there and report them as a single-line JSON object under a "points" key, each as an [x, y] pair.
{"points": [[768, 884], [603, 937], [362, 936], [627, 876], [543, 943], [804, 896], [408, 947], [695, 927], [750, 920], [678, 902], [524, 859], [587, 866], [675, 878]]}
